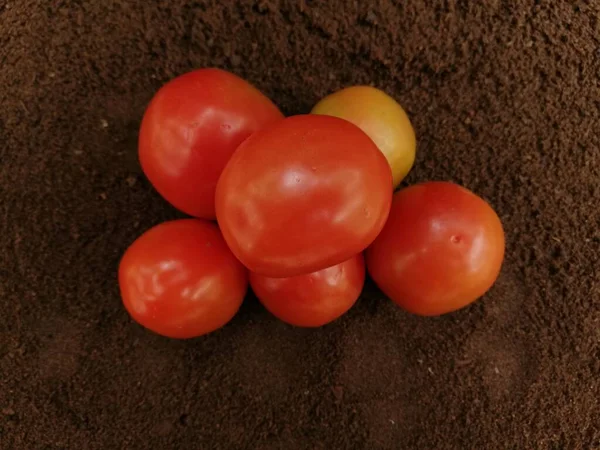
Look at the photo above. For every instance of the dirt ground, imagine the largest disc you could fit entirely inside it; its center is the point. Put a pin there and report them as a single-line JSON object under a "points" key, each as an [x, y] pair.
{"points": [[505, 99]]}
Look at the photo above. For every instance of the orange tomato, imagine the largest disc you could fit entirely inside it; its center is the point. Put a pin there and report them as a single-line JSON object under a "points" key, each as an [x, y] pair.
{"points": [[314, 299], [441, 249], [381, 118]]}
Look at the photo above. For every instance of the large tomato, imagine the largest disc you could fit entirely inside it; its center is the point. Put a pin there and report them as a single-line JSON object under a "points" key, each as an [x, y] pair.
{"points": [[381, 117], [180, 280], [191, 128], [304, 194], [441, 249], [314, 299]]}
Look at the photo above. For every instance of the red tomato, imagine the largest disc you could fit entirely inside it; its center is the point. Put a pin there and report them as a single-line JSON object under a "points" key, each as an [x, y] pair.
{"points": [[180, 280], [191, 128], [441, 249], [306, 193], [314, 299]]}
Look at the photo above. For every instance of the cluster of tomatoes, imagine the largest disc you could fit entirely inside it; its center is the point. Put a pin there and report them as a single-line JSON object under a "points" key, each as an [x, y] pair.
{"points": [[299, 208]]}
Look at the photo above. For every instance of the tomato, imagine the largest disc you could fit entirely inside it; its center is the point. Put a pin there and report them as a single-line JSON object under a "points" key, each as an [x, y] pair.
{"points": [[180, 280], [307, 193], [314, 299], [441, 249], [382, 118], [191, 128]]}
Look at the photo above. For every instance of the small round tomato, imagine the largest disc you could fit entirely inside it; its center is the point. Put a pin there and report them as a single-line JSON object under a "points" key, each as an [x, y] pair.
{"points": [[314, 299], [191, 128], [381, 117], [306, 193], [441, 249], [180, 280]]}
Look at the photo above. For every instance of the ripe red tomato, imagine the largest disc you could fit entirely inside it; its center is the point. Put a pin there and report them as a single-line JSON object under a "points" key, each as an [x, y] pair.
{"points": [[306, 193], [314, 299], [180, 280], [191, 128], [441, 249]]}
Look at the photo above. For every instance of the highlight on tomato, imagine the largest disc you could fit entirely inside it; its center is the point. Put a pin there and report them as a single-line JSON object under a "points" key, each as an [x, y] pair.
{"points": [[441, 249], [382, 118], [180, 280], [314, 299], [191, 128], [306, 193]]}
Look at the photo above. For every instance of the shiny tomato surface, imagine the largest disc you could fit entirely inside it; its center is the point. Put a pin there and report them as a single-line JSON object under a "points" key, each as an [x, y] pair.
{"points": [[191, 128], [306, 193], [441, 249], [180, 280], [314, 299]]}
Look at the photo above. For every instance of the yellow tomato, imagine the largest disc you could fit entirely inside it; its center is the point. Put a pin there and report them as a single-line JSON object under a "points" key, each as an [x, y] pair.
{"points": [[381, 118]]}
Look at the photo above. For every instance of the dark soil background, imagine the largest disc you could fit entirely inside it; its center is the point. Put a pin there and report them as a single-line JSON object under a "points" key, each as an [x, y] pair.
{"points": [[505, 99]]}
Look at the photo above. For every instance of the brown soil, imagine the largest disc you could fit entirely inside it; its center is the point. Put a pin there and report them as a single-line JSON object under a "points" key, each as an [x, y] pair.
{"points": [[505, 99]]}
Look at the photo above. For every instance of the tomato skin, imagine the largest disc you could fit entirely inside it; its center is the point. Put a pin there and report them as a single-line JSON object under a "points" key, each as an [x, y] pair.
{"points": [[180, 280], [307, 193], [381, 117], [441, 249], [191, 128], [314, 299]]}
